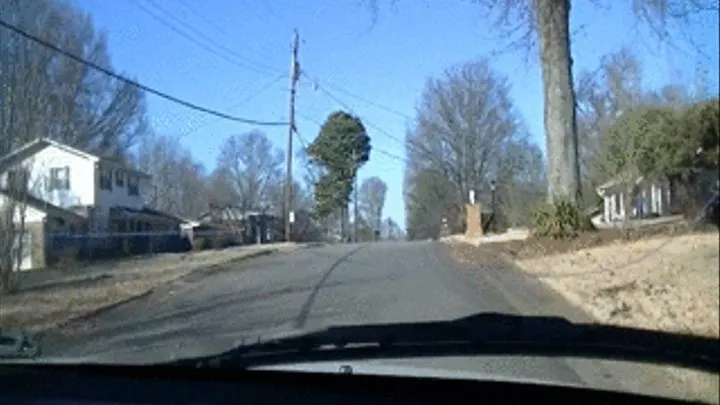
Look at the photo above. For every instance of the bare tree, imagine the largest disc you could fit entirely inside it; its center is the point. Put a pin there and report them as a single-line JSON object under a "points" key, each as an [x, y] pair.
{"points": [[520, 183], [56, 97], [249, 169], [391, 230], [602, 97], [14, 185], [45, 94], [464, 120], [179, 185], [547, 22], [606, 97], [371, 200]]}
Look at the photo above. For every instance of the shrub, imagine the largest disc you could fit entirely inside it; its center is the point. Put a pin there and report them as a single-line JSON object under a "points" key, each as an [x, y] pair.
{"points": [[200, 244], [219, 242], [560, 220]]}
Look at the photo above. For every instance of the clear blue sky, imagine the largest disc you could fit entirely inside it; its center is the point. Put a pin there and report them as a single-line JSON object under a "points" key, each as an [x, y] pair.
{"points": [[386, 63]]}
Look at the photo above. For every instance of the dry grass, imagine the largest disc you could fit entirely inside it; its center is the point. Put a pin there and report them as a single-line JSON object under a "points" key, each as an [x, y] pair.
{"points": [[660, 283], [662, 280], [35, 311]]}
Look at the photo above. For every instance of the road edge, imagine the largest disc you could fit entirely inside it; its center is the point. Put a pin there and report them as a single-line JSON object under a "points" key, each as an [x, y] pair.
{"points": [[113, 305], [561, 306]]}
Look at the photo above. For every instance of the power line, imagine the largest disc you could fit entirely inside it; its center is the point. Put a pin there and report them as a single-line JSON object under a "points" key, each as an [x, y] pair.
{"points": [[229, 54], [260, 90], [270, 9], [374, 149], [368, 123], [134, 83], [359, 97], [211, 23]]}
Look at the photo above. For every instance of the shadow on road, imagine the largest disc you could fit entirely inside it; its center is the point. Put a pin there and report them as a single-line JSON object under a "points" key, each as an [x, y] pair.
{"points": [[305, 311]]}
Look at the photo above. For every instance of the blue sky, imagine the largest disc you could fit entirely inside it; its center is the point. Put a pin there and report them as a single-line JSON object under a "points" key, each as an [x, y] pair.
{"points": [[386, 63]]}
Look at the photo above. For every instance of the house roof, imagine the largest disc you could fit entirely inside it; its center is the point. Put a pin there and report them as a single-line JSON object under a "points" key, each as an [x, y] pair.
{"points": [[612, 185], [41, 205], [39, 144], [36, 146], [124, 166]]}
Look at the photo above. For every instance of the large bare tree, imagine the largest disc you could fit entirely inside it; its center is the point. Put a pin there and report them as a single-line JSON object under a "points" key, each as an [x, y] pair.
{"points": [[179, 184], [467, 134], [603, 95], [249, 168], [465, 122], [371, 200], [54, 96], [45, 94], [547, 22]]}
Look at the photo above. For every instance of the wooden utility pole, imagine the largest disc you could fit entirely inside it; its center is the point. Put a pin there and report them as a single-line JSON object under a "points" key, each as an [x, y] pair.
{"points": [[355, 203], [294, 76]]}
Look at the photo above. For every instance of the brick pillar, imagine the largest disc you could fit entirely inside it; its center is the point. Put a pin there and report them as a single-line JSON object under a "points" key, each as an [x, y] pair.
{"points": [[474, 221]]}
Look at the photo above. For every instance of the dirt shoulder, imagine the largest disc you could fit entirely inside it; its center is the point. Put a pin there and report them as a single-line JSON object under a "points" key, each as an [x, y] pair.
{"points": [[666, 283], [661, 279], [657, 279], [85, 292]]}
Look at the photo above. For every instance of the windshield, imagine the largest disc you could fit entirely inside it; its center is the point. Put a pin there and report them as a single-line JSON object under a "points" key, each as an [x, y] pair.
{"points": [[170, 189]]}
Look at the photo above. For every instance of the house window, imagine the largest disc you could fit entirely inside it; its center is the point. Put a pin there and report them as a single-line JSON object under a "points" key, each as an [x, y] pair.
{"points": [[133, 185], [59, 178], [17, 179], [120, 178], [105, 179]]}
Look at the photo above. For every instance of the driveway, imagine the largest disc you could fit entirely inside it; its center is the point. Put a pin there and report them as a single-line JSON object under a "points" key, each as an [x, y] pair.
{"points": [[330, 285]]}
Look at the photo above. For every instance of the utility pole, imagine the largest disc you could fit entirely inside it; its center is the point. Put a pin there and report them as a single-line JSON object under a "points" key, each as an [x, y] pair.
{"points": [[355, 204], [294, 76]]}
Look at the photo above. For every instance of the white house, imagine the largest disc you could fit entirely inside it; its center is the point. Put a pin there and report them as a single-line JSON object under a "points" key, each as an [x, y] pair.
{"points": [[71, 179], [648, 197], [39, 218]]}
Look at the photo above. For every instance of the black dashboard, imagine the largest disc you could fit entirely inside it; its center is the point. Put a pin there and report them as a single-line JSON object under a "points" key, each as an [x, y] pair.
{"points": [[90, 384]]}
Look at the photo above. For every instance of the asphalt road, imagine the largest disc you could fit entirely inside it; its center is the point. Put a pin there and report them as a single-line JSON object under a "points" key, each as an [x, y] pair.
{"points": [[329, 285]]}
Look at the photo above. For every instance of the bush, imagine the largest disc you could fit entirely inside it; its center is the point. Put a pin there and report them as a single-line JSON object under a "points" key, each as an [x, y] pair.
{"points": [[200, 244], [560, 220], [219, 242]]}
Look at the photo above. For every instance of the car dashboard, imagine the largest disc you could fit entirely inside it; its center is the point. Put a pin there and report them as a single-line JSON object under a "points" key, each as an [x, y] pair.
{"points": [[95, 385]]}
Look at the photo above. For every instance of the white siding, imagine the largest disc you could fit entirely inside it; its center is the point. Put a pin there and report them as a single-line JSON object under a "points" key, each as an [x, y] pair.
{"points": [[31, 214], [81, 191], [119, 195]]}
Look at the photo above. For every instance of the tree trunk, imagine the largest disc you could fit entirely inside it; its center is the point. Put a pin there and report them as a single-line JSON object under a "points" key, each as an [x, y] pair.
{"points": [[553, 18]]}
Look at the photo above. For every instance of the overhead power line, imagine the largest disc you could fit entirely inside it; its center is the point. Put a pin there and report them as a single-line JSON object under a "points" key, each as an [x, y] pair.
{"points": [[260, 90], [229, 55], [374, 148], [359, 97], [366, 122], [215, 25], [131, 82]]}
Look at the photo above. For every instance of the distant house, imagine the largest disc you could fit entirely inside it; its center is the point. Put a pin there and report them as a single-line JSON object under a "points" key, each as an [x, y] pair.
{"points": [[251, 227], [651, 196], [72, 179], [95, 196], [648, 197]]}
